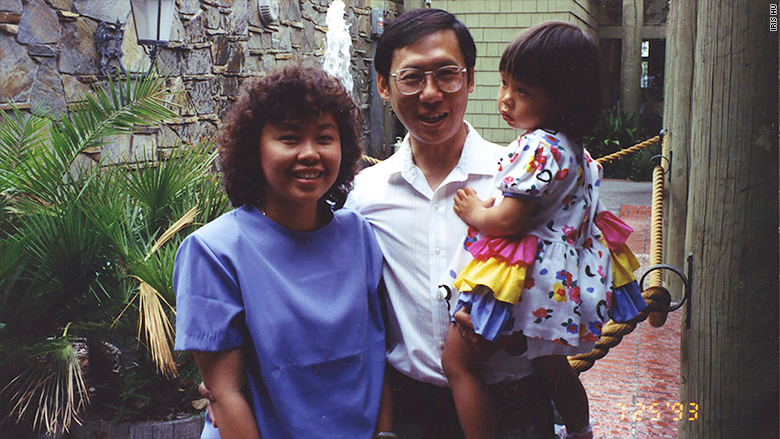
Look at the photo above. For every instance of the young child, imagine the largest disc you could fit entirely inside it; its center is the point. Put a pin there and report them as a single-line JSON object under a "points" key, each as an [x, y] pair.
{"points": [[281, 292], [540, 261]]}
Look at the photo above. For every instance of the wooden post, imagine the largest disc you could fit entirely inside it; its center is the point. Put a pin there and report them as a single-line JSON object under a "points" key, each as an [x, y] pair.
{"points": [[680, 44], [631, 64], [730, 353]]}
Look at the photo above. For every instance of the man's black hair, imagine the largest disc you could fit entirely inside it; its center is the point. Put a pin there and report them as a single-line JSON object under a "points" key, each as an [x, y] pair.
{"points": [[416, 24]]}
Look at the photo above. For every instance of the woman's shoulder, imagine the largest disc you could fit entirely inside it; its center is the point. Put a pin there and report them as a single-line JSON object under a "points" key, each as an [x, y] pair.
{"points": [[223, 228], [353, 222], [350, 218]]}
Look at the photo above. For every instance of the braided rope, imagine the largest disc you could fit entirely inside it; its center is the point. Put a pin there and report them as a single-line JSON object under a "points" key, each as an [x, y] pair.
{"points": [[370, 160], [657, 225], [629, 150], [656, 296], [612, 333]]}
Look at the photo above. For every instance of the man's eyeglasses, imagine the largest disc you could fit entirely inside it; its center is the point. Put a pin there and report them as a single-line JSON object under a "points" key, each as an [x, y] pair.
{"points": [[448, 78]]}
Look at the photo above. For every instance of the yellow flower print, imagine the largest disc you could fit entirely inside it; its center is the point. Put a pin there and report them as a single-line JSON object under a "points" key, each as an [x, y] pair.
{"points": [[559, 292]]}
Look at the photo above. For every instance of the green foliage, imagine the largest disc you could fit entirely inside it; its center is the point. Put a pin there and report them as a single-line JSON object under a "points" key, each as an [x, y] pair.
{"points": [[53, 371], [81, 244], [617, 130]]}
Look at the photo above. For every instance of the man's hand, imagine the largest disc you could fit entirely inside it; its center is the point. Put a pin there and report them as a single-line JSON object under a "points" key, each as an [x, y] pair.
{"points": [[515, 344], [466, 328]]}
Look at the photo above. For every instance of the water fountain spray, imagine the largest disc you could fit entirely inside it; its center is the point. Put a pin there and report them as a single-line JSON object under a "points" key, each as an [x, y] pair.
{"points": [[338, 42]]}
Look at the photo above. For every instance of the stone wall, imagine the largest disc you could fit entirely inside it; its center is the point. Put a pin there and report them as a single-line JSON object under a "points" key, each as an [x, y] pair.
{"points": [[48, 57]]}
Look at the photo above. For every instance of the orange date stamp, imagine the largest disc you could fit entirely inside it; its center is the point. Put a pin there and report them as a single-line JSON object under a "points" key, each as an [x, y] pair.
{"points": [[659, 411]]}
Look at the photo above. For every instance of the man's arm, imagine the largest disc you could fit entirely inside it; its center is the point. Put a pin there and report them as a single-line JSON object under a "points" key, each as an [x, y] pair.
{"points": [[223, 374]]}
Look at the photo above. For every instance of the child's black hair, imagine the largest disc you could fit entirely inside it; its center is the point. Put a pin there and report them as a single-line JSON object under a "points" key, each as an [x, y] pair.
{"points": [[563, 60]]}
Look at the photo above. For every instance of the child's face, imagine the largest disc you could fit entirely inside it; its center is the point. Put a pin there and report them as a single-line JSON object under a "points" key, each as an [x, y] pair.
{"points": [[300, 160], [524, 106]]}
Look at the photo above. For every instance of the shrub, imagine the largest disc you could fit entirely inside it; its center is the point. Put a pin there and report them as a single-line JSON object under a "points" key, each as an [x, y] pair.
{"points": [[616, 130], [86, 260]]}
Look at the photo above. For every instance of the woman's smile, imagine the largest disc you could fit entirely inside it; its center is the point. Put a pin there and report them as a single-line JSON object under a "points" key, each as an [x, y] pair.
{"points": [[300, 160]]}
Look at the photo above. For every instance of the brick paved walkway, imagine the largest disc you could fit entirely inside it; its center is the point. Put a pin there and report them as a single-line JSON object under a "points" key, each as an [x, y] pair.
{"points": [[634, 390]]}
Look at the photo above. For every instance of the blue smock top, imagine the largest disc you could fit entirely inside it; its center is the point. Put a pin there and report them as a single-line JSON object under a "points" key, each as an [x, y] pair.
{"points": [[305, 302]]}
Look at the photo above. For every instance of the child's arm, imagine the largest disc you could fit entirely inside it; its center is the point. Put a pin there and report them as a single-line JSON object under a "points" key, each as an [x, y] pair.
{"points": [[223, 374], [507, 218]]}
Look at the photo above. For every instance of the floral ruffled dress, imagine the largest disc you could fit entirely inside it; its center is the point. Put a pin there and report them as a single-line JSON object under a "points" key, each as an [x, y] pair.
{"points": [[560, 277]]}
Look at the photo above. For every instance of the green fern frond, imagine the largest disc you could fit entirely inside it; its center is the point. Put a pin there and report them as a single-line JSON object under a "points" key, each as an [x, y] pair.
{"points": [[18, 136], [80, 239], [111, 111], [159, 187]]}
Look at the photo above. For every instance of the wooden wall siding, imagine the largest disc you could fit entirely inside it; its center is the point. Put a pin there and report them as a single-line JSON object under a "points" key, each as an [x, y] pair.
{"points": [[494, 23]]}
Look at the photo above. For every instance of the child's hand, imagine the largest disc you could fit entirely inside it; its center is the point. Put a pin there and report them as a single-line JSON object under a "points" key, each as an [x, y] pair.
{"points": [[470, 208]]}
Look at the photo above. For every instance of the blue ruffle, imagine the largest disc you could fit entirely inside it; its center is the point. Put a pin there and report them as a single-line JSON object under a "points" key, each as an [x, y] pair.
{"points": [[490, 317], [627, 302]]}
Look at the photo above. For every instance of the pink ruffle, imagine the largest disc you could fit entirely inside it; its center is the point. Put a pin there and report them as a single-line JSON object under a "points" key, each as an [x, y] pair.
{"points": [[615, 231], [511, 251]]}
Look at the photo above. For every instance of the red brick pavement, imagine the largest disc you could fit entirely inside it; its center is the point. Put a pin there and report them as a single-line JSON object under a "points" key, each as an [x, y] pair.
{"points": [[634, 390]]}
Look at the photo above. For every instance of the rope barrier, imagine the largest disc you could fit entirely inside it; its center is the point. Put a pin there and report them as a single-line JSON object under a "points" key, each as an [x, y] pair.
{"points": [[629, 150], [370, 160], [657, 297], [657, 225], [612, 333]]}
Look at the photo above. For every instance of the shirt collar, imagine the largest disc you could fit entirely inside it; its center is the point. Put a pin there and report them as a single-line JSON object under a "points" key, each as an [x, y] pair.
{"points": [[475, 159], [478, 156]]}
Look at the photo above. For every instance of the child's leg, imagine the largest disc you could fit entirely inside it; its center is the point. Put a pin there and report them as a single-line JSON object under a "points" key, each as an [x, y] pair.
{"points": [[462, 363], [566, 390]]}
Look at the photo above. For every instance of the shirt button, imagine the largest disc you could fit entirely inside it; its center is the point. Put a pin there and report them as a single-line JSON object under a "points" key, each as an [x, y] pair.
{"points": [[437, 206], [437, 251]]}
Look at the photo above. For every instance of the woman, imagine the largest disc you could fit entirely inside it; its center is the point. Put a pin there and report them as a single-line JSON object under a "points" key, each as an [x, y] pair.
{"points": [[282, 290]]}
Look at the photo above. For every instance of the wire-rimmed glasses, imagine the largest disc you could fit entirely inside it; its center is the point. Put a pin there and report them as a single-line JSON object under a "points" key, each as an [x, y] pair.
{"points": [[448, 78]]}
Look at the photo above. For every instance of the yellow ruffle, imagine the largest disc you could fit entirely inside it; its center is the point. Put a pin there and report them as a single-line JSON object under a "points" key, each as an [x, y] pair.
{"points": [[624, 263], [506, 281]]}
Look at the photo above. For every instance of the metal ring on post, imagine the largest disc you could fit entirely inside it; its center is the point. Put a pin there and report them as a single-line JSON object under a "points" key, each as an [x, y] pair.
{"points": [[674, 305], [667, 169]]}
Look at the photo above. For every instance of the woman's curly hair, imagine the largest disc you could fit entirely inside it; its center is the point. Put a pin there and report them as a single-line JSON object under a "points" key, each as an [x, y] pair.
{"points": [[285, 94]]}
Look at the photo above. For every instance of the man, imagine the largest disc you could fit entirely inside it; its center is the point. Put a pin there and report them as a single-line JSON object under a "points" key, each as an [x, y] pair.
{"points": [[425, 69]]}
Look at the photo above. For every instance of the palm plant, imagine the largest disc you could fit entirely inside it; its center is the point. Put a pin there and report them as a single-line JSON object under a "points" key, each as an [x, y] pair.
{"points": [[86, 257], [616, 130]]}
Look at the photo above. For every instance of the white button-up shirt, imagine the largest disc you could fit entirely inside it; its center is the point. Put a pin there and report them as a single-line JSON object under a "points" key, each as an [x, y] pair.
{"points": [[418, 232]]}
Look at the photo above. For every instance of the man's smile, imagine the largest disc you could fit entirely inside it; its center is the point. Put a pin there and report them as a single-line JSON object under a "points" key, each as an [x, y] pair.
{"points": [[432, 118]]}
